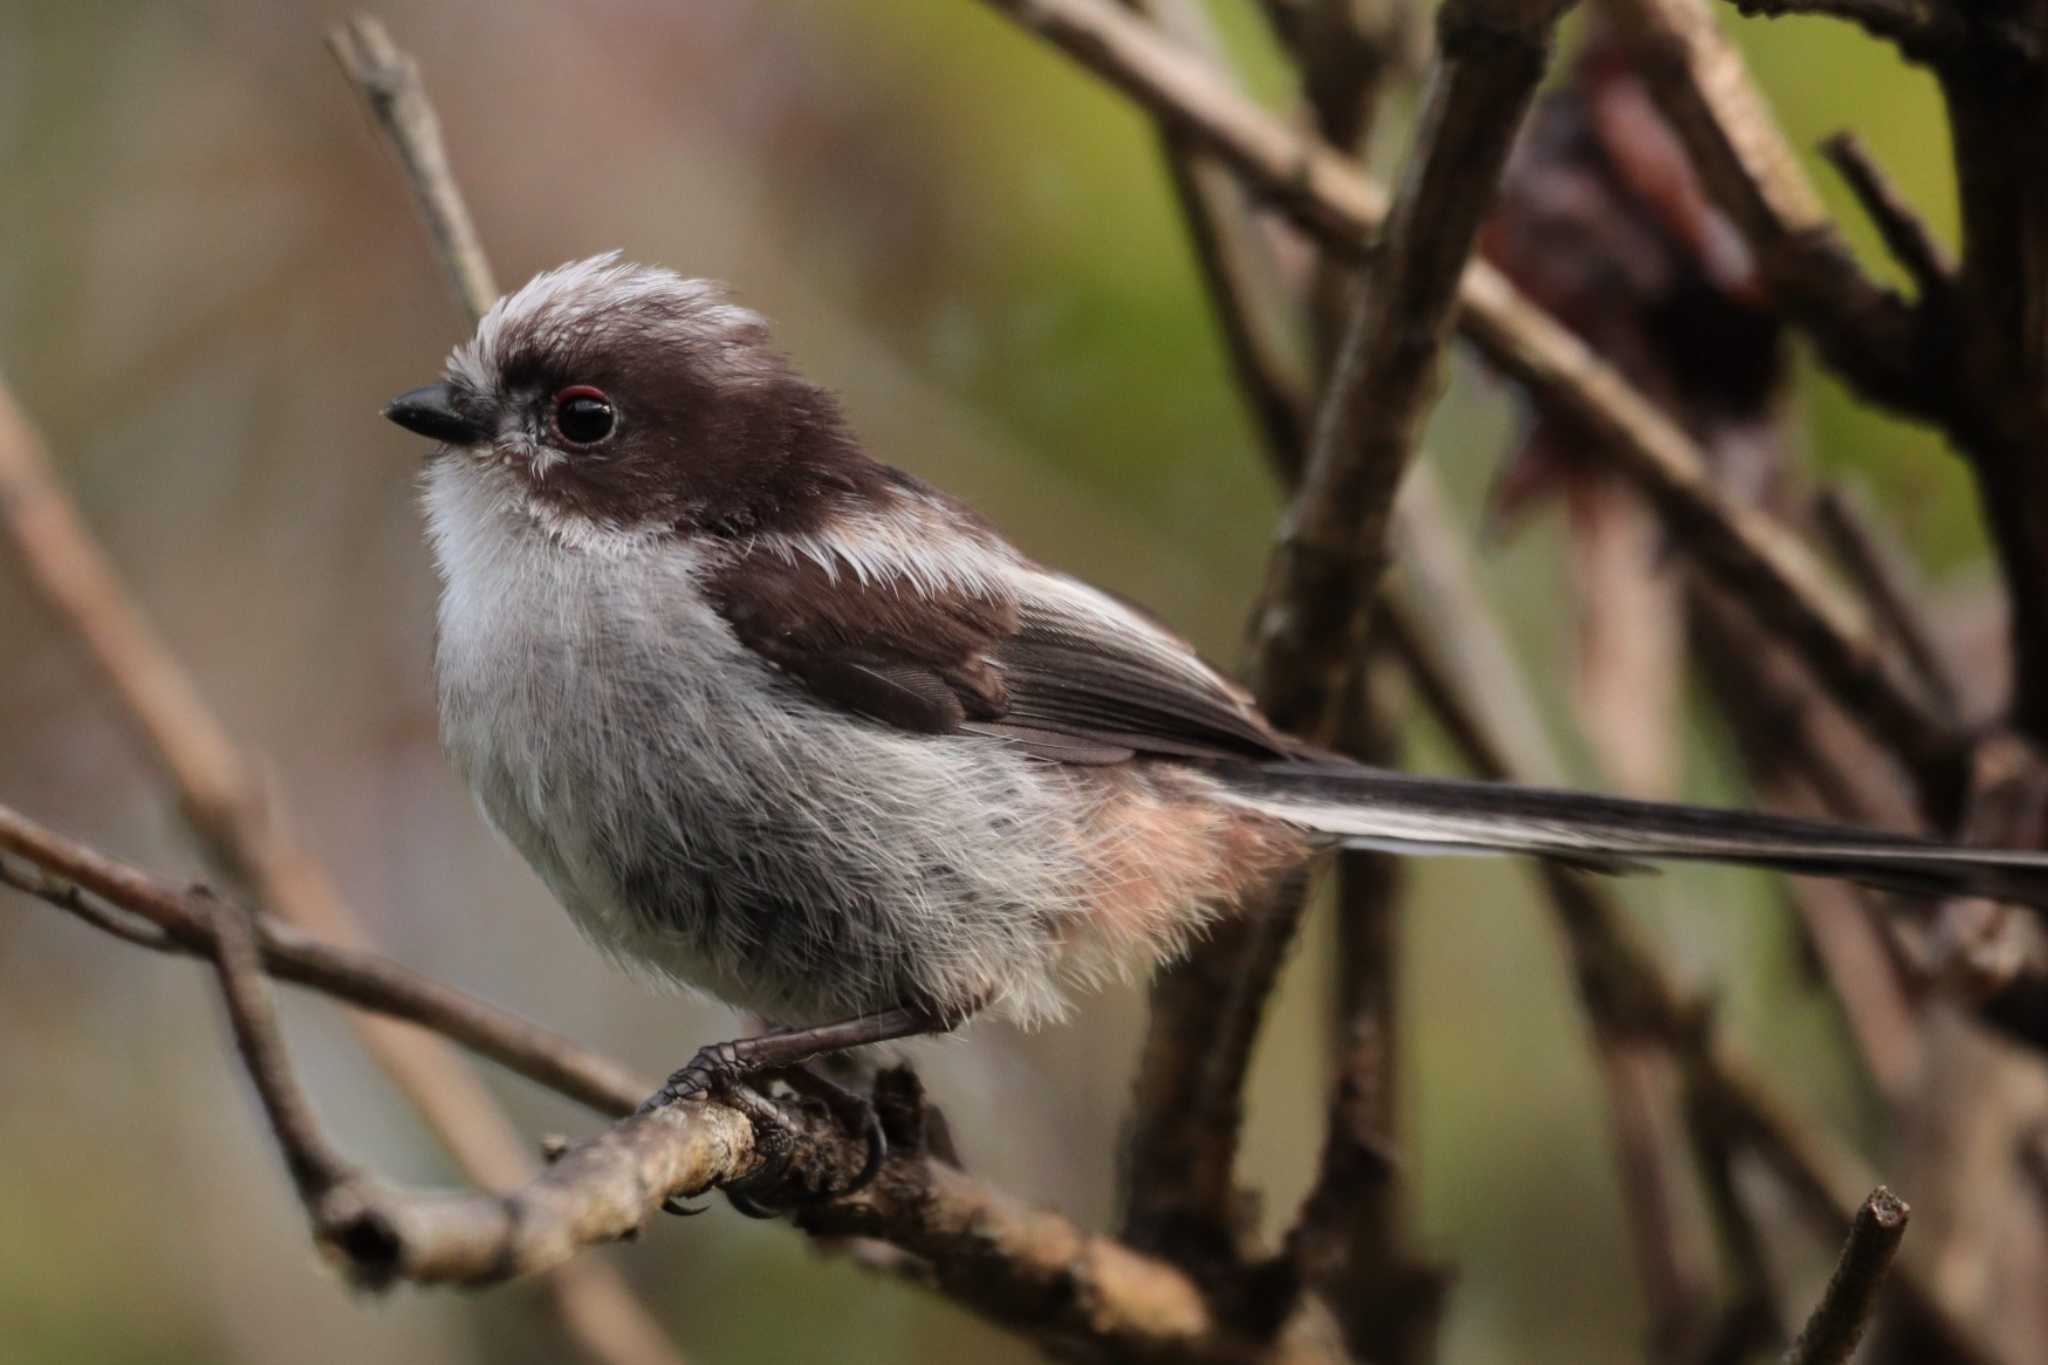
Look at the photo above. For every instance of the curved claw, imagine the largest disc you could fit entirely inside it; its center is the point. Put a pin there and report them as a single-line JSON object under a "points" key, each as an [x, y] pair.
{"points": [[674, 1205], [878, 1152], [739, 1192], [744, 1205]]}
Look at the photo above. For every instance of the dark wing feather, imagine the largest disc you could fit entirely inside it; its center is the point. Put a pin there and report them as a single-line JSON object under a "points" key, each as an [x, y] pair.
{"points": [[1064, 672]]}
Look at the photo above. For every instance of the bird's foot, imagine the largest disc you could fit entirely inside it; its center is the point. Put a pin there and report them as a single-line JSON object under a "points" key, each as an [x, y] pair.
{"points": [[720, 1072], [713, 1070], [776, 1194]]}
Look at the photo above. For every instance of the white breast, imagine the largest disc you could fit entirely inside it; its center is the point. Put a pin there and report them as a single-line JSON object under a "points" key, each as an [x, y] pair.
{"points": [[698, 815]]}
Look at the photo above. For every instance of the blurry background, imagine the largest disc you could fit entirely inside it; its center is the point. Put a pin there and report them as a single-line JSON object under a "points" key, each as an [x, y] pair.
{"points": [[211, 279]]}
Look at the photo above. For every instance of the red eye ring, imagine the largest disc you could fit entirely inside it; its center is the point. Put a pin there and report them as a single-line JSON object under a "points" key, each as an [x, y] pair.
{"points": [[583, 416]]}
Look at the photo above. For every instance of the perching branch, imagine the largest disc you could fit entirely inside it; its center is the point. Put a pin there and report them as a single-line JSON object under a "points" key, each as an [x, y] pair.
{"points": [[1837, 1323], [1027, 1268]]}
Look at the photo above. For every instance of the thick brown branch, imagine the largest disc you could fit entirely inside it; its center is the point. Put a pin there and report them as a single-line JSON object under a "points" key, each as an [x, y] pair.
{"points": [[1754, 555], [1832, 1332], [1992, 351], [1333, 541]]}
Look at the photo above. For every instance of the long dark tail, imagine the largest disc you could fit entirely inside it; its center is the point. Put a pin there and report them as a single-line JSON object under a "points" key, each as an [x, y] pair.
{"points": [[1369, 808]]}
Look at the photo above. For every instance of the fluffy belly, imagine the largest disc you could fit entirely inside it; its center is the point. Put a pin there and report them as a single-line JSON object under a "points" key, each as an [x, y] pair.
{"points": [[711, 824]]}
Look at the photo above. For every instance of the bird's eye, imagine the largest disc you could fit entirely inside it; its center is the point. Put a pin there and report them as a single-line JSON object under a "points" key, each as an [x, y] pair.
{"points": [[583, 415]]}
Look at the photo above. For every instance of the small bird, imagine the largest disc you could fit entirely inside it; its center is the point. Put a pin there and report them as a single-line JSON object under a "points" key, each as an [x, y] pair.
{"points": [[791, 726]]}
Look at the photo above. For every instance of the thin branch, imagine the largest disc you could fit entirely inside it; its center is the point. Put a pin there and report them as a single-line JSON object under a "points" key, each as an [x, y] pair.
{"points": [[1754, 1316], [247, 829], [1671, 1252], [1187, 1104], [1024, 1267], [1623, 984], [1881, 569], [389, 81], [1347, 51], [1837, 1323], [316, 1165], [1261, 335], [1333, 540], [1923, 29], [34, 881], [1350, 1225], [1323, 577], [1702, 84], [63, 871], [223, 798], [1320, 189], [1631, 1002], [1905, 232]]}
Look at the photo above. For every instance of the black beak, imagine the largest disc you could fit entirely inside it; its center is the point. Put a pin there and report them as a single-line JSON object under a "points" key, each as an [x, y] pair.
{"points": [[430, 411]]}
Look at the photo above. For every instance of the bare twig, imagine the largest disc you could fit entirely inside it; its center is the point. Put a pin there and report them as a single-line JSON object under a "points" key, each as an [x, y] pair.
{"points": [[247, 829], [1623, 984], [1749, 551], [1880, 568], [316, 1166], [1671, 1253], [390, 84], [1922, 29], [1837, 1323], [1024, 1267], [1347, 50], [244, 826], [1348, 1244], [1261, 334], [1326, 571], [1187, 1104], [1465, 675], [1703, 86], [65, 871], [1754, 1317], [1333, 540], [1905, 232]]}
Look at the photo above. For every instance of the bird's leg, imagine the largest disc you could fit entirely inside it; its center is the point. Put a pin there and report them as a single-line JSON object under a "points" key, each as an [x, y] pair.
{"points": [[723, 1064]]}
